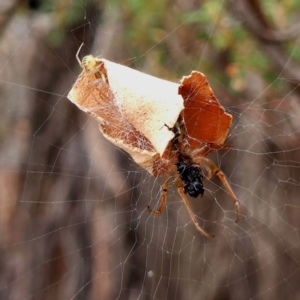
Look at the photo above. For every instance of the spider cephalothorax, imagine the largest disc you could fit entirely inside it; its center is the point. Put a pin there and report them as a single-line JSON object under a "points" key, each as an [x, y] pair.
{"points": [[192, 177], [190, 173]]}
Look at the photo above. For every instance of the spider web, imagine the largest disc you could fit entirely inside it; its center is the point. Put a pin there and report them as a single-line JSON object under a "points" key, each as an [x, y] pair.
{"points": [[74, 219]]}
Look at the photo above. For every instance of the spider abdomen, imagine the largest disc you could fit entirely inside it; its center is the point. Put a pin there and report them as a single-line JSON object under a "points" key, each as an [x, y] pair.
{"points": [[192, 177]]}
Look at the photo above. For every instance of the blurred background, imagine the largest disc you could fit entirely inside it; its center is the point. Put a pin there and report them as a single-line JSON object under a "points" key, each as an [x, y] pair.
{"points": [[73, 217]]}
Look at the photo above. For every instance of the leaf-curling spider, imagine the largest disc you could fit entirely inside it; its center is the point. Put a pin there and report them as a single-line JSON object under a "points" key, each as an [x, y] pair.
{"points": [[189, 176], [126, 97]]}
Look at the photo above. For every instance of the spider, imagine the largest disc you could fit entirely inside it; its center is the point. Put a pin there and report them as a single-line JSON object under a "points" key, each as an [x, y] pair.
{"points": [[189, 176], [119, 102]]}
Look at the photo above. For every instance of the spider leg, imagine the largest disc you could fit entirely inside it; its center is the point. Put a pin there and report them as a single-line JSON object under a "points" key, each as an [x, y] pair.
{"points": [[208, 175], [187, 204], [213, 169], [163, 200]]}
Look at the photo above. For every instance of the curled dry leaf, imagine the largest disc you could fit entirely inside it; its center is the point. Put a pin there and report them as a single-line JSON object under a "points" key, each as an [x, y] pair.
{"points": [[137, 112], [164, 126], [206, 122]]}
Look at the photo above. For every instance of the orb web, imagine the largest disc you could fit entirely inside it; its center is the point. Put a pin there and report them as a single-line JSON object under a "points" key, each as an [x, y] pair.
{"points": [[74, 218]]}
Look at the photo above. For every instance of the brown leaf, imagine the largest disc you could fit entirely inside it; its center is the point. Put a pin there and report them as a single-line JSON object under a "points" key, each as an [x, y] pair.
{"points": [[206, 122]]}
